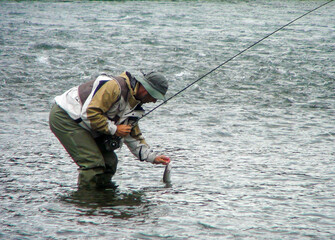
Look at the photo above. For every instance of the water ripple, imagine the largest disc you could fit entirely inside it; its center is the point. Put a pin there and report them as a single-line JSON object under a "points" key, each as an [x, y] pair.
{"points": [[252, 143]]}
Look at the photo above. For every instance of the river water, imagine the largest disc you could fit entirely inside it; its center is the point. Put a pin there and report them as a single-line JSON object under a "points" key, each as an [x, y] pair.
{"points": [[252, 144]]}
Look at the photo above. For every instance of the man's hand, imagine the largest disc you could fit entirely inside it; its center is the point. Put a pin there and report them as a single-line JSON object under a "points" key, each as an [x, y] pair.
{"points": [[162, 160], [123, 130]]}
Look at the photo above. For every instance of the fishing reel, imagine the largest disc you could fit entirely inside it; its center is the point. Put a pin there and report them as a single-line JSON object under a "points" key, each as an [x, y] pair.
{"points": [[111, 143]]}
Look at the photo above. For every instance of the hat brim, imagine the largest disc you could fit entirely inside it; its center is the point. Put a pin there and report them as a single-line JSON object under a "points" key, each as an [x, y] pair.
{"points": [[153, 92]]}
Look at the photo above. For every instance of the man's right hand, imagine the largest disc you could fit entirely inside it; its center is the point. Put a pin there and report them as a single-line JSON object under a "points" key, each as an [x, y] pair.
{"points": [[123, 130]]}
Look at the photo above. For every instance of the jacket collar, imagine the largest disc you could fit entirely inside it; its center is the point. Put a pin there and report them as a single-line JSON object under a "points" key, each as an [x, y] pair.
{"points": [[130, 80]]}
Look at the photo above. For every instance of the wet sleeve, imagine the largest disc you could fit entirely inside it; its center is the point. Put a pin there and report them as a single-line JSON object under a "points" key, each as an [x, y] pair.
{"points": [[137, 145], [95, 114]]}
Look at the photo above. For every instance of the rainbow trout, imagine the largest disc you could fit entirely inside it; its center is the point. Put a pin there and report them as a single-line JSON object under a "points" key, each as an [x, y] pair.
{"points": [[167, 174]]}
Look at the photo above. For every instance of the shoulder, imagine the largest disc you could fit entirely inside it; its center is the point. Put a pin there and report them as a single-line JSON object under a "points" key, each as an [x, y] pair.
{"points": [[113, 87], [107, 83], [106, 88]]}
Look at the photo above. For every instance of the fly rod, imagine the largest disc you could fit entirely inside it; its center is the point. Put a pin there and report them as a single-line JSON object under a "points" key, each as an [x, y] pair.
{"points": [[233, 57]]}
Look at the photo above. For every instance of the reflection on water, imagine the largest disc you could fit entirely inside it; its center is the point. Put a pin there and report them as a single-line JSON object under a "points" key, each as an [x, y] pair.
{"points": [[108, 202]]}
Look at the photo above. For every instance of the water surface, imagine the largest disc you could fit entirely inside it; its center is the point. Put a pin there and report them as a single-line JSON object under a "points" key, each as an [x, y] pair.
{"points": [[252, 144]]}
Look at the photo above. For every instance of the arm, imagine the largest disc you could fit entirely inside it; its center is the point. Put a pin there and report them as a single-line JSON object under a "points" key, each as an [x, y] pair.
{"points": [[104, 96], [137, 145]]}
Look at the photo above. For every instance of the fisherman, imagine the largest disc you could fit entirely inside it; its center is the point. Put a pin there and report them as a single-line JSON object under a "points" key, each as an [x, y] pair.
{"points": [[93, 119]]}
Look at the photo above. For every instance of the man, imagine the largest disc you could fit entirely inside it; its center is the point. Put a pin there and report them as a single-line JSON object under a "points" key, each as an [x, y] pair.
{"points": [[93, 119]]}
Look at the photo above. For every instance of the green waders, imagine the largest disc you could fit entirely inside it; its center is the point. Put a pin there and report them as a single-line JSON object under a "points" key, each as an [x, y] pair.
{"points": [[96, 166]]}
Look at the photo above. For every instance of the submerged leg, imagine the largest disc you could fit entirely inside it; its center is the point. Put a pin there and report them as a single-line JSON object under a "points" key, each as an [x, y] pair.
{"points": [[80, 144]]}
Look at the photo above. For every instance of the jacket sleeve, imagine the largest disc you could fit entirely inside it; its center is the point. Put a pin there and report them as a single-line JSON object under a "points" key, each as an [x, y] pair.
{"points": [[99, 102], [137, 145]]}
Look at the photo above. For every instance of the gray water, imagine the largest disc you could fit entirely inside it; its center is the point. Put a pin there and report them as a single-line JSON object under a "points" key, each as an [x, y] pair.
{"points": [[252, 145]]}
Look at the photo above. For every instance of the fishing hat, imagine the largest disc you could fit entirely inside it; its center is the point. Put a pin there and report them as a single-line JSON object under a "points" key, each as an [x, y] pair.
{"points": [[156, 84]]}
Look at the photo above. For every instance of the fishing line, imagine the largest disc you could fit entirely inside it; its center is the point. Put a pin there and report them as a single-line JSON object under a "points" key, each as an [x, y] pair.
{"points": [[233, 57]]}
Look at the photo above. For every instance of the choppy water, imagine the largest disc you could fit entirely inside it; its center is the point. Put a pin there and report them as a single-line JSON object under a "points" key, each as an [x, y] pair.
{"points": [[252, 144]]}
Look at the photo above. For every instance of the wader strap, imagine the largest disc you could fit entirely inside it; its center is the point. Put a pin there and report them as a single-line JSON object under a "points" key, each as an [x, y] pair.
{"points": [[84, 91], [79, 120]]}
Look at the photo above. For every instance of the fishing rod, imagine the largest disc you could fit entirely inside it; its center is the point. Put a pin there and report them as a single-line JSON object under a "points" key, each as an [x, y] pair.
{"points": [[233, 57]]}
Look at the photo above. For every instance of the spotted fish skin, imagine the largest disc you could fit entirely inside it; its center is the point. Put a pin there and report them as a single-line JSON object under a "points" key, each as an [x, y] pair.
{"points": [[167, 173]]}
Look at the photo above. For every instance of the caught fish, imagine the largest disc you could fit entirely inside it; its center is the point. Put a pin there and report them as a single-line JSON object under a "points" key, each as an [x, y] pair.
{"points": [[167, 174]]}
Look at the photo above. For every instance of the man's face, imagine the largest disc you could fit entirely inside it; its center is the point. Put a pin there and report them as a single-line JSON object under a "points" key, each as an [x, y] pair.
{"points": [[143, 95]]}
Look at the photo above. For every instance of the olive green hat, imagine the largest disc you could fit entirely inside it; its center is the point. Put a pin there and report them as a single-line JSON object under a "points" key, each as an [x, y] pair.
{"points": [[156, 84]]}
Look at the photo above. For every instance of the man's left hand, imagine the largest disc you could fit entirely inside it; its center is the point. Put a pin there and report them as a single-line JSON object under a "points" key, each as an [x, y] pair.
{"points": [[162, 160]]}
